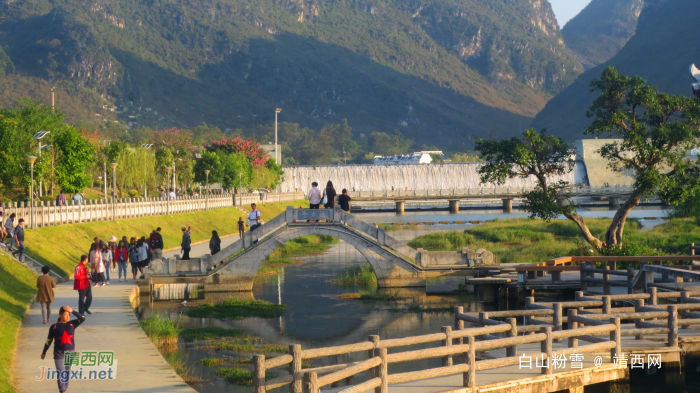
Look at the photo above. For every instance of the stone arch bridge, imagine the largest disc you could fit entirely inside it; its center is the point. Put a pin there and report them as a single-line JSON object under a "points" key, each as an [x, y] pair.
{"points": [[395, 264]]}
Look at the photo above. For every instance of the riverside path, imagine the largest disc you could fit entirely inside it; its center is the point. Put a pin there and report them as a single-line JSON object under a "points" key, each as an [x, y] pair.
{"points": [[111, 327]]}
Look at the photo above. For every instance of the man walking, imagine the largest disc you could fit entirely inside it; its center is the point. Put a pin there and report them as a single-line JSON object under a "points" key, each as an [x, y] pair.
{"points": [[61, 199], [19, 238], [241, 227], [77, 199], [254, 217], [44, 295], [186, 243], [314, 196], [157, 244]]}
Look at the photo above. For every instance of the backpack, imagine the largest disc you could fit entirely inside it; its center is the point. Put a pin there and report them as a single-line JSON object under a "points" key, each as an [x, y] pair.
{"points": [[153, 241]]}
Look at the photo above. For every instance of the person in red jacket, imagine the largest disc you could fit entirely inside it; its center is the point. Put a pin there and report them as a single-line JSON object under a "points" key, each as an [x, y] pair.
{"points": [[81, 283], [121, 256]]}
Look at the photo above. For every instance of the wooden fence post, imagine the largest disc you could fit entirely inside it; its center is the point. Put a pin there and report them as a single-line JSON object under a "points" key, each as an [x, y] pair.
{"points": [[616, 336], [606, 278], [513, 332], [374, 339], [630, 280], [459, 324], [607, 305], [382, 371], [546, 347], [556, 319], [571, 313], [311, 383], [295, 368], [447, 330], [469, 378], [653, 298], [637, 305], [259, 374], [672, 326]]}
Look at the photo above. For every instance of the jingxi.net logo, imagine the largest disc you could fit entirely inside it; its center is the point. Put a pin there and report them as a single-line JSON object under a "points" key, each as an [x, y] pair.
{"points": [[87, 365]]}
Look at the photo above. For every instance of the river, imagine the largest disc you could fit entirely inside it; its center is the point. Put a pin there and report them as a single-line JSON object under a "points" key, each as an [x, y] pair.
{"points": [[316, 317]]}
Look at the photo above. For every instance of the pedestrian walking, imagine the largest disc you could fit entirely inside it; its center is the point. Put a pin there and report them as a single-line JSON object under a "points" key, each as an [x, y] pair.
{"points": [[64, 333], [186, 243], [77, 199], [121, 255], [156, 243], [44, 294], [214, 243], [61, 199], [314, 196], [162, 194], [134, 257], [143, 255], [344, 201], [107, 260], [3, 233], [330, 195], [81, 283], [97, 266], [241, 227], [172, 195], [10, 229], [19, 238]]}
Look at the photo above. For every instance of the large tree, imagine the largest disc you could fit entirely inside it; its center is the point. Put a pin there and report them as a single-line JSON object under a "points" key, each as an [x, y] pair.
{"points": [[654, 131]]}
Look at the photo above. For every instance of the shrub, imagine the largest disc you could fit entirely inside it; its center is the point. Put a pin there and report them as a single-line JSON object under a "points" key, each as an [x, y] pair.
{"points": [[162, 331]]}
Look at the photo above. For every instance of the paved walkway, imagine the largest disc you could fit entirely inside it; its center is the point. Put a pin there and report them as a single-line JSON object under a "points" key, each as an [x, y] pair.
{"points": [[112, 326]]}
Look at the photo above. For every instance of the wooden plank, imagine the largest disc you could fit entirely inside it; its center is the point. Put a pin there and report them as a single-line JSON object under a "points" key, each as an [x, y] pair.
{"points": [[348, 372], [279, 381], [429, 373], [399, 342], [363, 387], [278, 361], [329, 351], [427, 353]]}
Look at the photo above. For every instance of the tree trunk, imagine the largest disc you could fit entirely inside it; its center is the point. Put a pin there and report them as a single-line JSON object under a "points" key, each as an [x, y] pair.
{"points": [[613, 237], [587, 235]]}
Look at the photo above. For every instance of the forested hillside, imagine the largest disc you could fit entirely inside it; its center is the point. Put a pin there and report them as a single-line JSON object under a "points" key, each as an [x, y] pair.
{"points": [[439, 71]]}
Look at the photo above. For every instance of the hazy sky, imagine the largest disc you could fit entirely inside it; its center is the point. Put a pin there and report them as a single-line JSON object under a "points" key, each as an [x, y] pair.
{"points": [[567, 9]]}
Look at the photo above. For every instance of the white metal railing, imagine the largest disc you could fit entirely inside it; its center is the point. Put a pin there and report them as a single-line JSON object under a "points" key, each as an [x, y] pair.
{"points": [[515, 191]]}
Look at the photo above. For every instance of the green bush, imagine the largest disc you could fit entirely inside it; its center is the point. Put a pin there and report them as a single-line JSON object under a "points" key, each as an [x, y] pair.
{"points": [[241, 377], [133, 194], [162, 331]]}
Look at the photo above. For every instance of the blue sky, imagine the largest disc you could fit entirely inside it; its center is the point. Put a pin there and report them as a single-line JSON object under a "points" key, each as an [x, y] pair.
{"points": [[567, 9]]}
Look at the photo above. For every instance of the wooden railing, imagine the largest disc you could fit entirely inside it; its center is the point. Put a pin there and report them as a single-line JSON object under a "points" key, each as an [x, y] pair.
{"points": [[592, 319]]}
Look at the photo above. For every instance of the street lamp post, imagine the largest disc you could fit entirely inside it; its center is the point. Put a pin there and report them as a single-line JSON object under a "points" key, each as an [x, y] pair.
{"points": [[145, 146], [240, 182], [167, 189], [114, 190], [31, 160], [206, 189], [277, 111], [280, 185], [38, 136]]}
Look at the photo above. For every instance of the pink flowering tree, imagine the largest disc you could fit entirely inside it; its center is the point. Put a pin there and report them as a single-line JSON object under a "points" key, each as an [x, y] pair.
{"points": [[251, 149]]}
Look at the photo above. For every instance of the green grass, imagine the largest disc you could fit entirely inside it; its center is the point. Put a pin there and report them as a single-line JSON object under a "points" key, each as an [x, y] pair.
{"points": [[162, 331], [299, 247], [237, 309], [526, 240], [241, 377], [60, 246], [250, 348], [356, 275], [17, 287], [211, 362], [210, 332]]}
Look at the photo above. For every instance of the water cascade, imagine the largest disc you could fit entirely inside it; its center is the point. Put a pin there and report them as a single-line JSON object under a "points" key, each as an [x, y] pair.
{"points": [[411, 177]]}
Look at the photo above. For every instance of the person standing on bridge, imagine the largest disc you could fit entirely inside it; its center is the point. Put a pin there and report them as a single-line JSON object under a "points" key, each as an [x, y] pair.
{"points": [[214, 243], [241, 227], [314, 196], [330, 195], [186, 243], [344, 201], [156, 242]]}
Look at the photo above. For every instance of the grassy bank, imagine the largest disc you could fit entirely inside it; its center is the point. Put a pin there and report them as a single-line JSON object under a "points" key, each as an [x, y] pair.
{"points": [[525, 240], [237, 309], [60, 247], [17, 288]]}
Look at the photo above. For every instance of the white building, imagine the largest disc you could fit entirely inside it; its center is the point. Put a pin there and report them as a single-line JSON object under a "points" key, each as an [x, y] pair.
{"points": [[416, 158]]}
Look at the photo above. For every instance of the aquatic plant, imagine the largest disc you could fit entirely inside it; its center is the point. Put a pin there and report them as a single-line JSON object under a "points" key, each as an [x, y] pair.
{"points": [[162, 331], [237, 309], [356, 275], [241, 377], [209, 332]]}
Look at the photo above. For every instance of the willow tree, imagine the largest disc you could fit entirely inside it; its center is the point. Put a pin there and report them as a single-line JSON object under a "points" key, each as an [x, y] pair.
{"points": [[655, 132]]}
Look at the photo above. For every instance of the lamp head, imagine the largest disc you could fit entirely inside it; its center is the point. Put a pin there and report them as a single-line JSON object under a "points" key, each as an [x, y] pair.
{"points": [[206, 171], [31, 159], [41, 134], [278, 110], [113, 165], [168, 169], [240, 174]]}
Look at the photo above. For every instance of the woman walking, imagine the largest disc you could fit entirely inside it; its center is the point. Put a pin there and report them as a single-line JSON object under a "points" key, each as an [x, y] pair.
{"points": [[121, 255], [64, 333], [330, 195], [143, 255], [134, 257], [97, 266], [214, 243], [81, 283], [108, 260]]}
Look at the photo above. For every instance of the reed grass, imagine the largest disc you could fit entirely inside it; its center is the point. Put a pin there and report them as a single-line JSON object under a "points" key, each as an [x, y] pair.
{"points": [[237, 309], [362, 275], [241, 377], [162, 331], [209, 332]]}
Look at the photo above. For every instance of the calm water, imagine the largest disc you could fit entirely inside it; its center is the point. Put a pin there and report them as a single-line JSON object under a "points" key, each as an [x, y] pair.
{"points": [[315, 317]]}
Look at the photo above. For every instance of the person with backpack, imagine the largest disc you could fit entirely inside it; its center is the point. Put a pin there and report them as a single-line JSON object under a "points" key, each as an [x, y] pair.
{"points": [[156, 243], [121, 255]]}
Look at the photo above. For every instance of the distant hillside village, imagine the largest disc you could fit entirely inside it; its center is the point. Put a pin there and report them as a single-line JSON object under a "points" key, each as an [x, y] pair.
{"points": [[416, 158]]}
